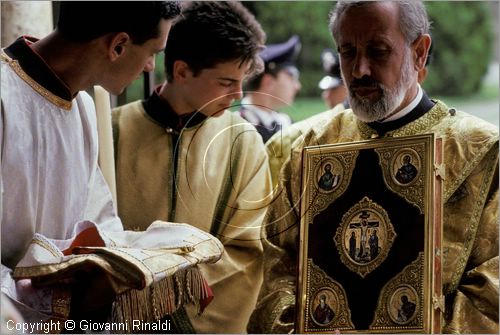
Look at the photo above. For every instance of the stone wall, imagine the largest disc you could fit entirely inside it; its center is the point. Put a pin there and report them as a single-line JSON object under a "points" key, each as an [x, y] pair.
{"points": [[25, 18]]}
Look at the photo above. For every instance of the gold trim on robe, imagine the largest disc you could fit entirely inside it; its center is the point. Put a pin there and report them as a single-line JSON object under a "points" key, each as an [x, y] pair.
{"points": [[14, 64]]}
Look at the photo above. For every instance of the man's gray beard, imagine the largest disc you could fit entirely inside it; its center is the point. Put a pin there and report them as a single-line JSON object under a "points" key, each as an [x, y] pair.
{"points": [[368, 111]]}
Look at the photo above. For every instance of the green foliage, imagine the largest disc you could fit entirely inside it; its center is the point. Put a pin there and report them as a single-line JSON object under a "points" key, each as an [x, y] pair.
{"points": [[462, 35]]}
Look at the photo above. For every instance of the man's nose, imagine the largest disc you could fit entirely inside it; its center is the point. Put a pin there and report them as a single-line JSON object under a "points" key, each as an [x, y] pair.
{"points": [[361, 67], [298, 85], [238, 93]]}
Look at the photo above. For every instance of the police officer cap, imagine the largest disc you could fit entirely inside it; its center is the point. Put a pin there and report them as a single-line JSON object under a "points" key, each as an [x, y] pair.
{"points": [[331, 67], [281, 55]]}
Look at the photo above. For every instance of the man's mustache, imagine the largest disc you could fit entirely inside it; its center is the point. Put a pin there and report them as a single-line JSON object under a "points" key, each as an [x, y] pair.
{"points": [[364, 82]]}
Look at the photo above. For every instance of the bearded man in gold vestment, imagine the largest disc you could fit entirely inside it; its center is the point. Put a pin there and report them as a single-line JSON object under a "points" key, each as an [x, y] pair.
{"points": [[383, 46]]}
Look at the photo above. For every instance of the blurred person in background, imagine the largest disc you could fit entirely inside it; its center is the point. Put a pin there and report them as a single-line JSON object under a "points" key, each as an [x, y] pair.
{"points": [[334, 91], [273, 89]]}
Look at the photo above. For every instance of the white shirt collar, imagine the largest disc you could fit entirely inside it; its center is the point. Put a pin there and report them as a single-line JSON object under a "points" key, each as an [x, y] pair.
{"points": [[408, 108], [267, 117]]}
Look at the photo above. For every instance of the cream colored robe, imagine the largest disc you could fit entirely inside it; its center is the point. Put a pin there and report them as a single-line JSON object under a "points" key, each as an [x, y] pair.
{"points": [[470, 250], [222, 186]]}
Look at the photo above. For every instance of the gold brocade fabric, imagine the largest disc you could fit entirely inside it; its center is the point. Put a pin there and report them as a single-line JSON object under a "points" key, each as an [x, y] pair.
{"points": [[470, 217], [280, 144]]}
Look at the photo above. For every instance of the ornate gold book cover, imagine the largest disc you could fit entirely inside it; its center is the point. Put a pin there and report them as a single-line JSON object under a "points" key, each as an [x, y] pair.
{"points": [[370, 237]]}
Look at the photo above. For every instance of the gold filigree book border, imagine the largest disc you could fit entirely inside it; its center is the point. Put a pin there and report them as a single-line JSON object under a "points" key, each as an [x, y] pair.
{"points": [[370, 235]]}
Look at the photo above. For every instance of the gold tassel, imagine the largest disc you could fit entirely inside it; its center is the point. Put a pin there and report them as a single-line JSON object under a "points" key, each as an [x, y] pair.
{"points": [[161, 298]]}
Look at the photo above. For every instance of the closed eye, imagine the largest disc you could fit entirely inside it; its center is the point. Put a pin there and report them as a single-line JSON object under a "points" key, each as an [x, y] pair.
{"points": [[378, 53], [347, 53], [226, 83]]}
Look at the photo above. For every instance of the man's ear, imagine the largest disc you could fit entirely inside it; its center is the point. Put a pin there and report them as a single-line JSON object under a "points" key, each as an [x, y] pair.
{"points": [[267, 81], [117, 45], [181, 71], [421, 48]]}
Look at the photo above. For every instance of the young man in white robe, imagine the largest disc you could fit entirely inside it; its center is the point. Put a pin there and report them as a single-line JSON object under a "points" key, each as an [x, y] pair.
{"points": [[48, 133]]}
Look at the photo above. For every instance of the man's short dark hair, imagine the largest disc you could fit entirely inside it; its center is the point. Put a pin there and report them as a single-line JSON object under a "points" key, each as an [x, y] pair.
{"points": [[83, 21], [209, 33]]}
